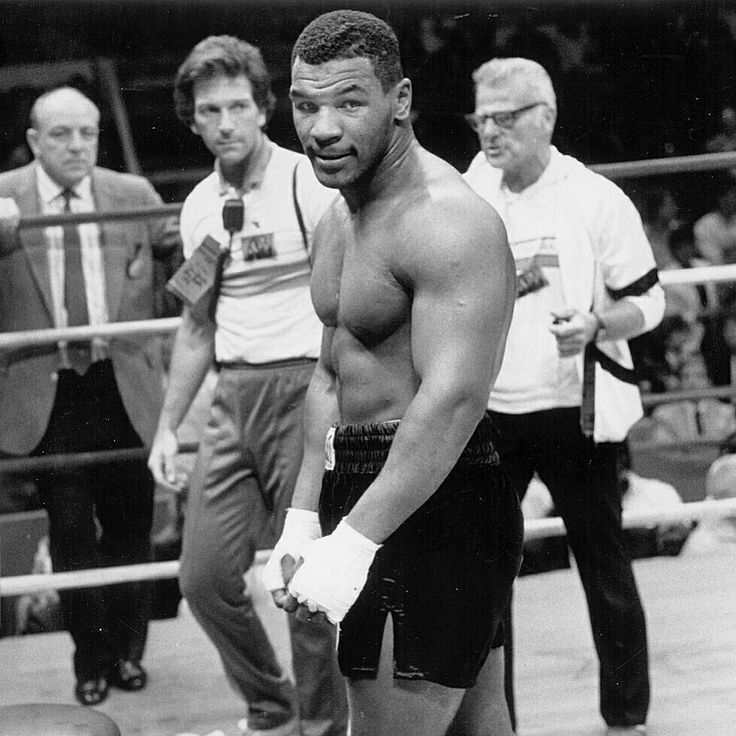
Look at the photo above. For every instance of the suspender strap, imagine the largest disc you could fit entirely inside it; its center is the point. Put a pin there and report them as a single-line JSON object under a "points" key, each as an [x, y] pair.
{"points": [[299, 217], [222, 258]]}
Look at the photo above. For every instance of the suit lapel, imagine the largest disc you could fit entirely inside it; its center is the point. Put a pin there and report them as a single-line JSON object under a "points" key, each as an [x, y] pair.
{"points": [[114, 240], [33, 240]]}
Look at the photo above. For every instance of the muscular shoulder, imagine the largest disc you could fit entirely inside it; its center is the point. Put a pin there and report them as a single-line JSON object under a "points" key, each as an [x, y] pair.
{"points": [[333, 224], [449, 224]]}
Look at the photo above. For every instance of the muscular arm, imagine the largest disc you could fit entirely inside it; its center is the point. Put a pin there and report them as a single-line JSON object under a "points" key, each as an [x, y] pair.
{"points": [[320, 413], [463, 287]]}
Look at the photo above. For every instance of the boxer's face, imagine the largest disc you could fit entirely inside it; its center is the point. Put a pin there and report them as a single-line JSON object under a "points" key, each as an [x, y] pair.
{"points": [[344, 118]]}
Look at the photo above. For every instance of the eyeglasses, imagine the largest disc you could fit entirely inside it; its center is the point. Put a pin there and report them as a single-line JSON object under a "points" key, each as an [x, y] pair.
{"points": [[506, 119]]}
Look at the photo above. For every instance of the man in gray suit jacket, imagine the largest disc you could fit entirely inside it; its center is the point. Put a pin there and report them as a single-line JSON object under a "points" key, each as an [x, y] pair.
{"points": [[71, 397]]}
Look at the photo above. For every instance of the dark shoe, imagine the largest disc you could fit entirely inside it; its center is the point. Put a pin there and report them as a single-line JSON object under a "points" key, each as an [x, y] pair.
{"points": [[128, 675], [91, 692]]}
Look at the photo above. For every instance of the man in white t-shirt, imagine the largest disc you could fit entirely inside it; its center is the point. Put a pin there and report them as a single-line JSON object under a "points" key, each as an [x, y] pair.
{"points": [[256, 323], [586, 282]]}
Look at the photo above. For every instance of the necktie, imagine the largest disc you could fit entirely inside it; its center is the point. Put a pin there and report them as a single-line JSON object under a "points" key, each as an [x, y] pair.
{"points": [[77, 355], [75, 292]]}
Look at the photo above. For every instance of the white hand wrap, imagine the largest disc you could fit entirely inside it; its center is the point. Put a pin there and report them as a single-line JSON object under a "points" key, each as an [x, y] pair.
{"points": [[334, 571], [300, 528]]}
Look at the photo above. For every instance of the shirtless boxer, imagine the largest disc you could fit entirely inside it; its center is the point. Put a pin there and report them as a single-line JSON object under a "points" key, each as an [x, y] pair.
{"points": [[414, 283]]}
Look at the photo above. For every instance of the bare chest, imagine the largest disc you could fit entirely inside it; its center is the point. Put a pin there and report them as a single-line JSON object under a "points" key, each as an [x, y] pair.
{"points": [[354, 287]]}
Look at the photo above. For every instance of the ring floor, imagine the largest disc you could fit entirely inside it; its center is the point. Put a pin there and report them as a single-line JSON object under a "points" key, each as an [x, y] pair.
{"points": [[690, 604]]}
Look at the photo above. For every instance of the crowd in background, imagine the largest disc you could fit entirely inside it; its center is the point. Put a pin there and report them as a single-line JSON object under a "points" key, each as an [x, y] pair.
{"points": [[634, 80]]}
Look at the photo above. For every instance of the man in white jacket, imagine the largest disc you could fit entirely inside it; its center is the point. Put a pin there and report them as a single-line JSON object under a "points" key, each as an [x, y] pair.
{"points": [[565, 397]]}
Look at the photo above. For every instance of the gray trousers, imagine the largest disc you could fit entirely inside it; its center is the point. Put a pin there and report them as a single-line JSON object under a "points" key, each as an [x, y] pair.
{"points": [[242, 482]]}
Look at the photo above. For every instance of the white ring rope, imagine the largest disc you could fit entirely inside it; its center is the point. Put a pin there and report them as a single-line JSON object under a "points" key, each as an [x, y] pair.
{"points": [[12, 340], [701, 275], [534, 529]]}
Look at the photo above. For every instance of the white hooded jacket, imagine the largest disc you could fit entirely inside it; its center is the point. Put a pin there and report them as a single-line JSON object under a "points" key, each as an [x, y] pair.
{"points": [[602, 249]]}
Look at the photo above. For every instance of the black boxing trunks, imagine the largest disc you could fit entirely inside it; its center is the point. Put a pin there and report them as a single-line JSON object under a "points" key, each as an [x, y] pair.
{"points": [[444, 575]]}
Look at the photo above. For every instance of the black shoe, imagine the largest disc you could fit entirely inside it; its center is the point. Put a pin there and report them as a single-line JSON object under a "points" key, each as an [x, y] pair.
{"points": [[91, 692], [128, 675]]}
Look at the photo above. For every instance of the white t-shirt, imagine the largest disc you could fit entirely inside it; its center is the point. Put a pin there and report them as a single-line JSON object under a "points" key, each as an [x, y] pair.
{"points": [[582, 237], [264, 310], [533, 377]]}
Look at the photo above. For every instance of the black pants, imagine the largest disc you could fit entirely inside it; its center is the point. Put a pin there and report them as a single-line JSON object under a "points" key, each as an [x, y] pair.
{"points": [[582, 478], [99, 515]]}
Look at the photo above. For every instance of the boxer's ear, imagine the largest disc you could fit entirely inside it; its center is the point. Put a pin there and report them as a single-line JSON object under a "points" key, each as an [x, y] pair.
{"points": [[402, 101]]}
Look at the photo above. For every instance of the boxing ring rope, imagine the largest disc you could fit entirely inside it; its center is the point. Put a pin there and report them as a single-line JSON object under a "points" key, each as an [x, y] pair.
{"points": [[79, 459], [75, 218], [671, 165], [10, 340], [618, 170], [534, 529]]}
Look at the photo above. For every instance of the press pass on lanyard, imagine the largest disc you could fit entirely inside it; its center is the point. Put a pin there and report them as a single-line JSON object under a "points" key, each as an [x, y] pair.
{"points": [[203, 270]]}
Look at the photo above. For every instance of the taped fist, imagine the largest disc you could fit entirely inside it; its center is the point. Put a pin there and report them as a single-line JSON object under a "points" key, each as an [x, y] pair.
{"points": [[300, 528], [333, 572]]}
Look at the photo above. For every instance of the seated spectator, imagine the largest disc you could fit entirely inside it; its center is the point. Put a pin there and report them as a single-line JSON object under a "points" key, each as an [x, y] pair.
{"points": [[690, 301], [660, 354], [681, 343], [660, 214], [693, 419], [727, 340], [638, 495], [725, 138], [653, 538], [715, 231], [716, 535]]}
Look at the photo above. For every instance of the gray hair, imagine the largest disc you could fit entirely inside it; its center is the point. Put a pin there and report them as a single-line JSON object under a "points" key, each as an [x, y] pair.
{"points": [[508, 70]]}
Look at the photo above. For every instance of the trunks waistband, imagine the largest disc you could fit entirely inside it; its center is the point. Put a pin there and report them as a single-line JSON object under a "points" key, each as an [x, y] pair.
{"points": [[243, 365], [363, 448]]}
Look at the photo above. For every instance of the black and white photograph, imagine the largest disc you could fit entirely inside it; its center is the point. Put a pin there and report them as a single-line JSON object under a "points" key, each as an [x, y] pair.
{"points": [[367, 367]]}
